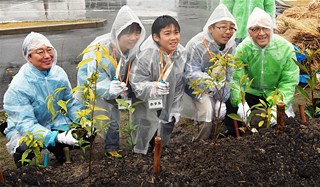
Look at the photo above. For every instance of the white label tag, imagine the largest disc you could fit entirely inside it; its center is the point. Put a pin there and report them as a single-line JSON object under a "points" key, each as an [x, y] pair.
{"points": [[155, 104], [128, 101]]}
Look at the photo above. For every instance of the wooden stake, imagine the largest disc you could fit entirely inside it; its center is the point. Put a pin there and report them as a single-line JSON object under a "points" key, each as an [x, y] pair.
{"points": [[1, 176], [66, 151], [236, 128], [280, 117], [157, 151], [302, 114]]}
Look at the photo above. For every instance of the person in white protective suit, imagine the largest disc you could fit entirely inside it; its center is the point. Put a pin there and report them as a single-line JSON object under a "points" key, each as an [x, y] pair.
{"points": [[157, 79], [127, 33], [269, 62], [217, 37], [25, 101]]}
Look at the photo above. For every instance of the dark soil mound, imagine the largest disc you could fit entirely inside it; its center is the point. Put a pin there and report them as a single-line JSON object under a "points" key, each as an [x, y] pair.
{"points": [[260, 159]]}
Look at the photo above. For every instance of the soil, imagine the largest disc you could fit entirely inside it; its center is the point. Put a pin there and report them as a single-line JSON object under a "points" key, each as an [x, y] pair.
{"points": [[259, 159]]}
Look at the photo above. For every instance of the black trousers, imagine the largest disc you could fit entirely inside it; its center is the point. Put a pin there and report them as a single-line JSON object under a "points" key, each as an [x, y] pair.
{"points": [[251, 100]]}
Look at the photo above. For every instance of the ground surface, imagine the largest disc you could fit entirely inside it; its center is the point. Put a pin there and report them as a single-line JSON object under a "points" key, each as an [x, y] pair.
{"points": [[261, 159], [12, 25]]}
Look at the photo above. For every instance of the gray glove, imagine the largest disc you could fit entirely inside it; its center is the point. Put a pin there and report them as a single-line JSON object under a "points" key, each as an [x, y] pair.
{"points": [[162, 88], [223, 110], [67, 138], [117, 87]]}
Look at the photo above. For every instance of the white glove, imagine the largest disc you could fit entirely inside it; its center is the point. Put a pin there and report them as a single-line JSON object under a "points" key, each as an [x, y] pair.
{"points": [[273, 121], [244, 111], [67, 138], [176, 117], [87, 125], [162, 88], [117, 87], [223, 110]]}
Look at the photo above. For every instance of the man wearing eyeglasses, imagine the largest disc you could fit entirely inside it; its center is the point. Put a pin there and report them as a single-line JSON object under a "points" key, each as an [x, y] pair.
{"points": [[25, 101], [270, 64], [217, 37], [241, 9]]}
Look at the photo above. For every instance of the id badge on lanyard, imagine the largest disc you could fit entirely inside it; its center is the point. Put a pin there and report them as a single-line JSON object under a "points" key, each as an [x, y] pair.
{"points": [[155, 104]]}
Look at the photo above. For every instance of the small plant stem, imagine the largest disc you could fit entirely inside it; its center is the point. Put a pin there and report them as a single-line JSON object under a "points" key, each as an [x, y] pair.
{"points": [[157, 151], [236, 128], [280, 117], [302, 114], [1, 176], [66, 151]]}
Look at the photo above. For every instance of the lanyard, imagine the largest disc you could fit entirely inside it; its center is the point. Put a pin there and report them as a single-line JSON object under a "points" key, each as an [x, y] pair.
{"points": [[120, 64], [161, 65], [207, 47], [209, 51]]}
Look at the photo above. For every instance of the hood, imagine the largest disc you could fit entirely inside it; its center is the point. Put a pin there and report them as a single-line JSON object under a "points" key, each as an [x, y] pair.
{"points": [[220, 13], [124, 18], [259, 17], [34, 40]]}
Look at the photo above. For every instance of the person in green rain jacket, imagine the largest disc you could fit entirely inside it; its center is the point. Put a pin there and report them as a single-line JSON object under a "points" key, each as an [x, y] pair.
{"points": [[269, 60], [241, 9]]}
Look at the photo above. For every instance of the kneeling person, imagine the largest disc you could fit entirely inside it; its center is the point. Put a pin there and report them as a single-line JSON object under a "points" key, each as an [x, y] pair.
{"points": [[157, 79]]}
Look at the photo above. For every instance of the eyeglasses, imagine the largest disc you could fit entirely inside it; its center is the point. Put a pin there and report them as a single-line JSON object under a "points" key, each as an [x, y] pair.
{"points": [[224, 29], [42, 52], [257, 30]]}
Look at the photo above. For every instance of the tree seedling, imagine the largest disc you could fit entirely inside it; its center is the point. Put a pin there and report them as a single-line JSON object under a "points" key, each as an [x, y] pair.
{"points": [[312, 109], [131, 127], [35, 145]]}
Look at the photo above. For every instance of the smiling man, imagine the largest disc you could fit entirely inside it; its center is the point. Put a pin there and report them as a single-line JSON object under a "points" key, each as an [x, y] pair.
{"points": [[269, 60], [25, 101]]}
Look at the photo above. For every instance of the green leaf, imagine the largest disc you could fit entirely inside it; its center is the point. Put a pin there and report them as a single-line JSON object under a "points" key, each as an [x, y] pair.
{"points": [[248, 85], [122, 102], [243, 79], [63, 104], [86, 50], [303, 92], [235, 117], [136, 103], [113, 61], [105, 50], [260, 123], [24, 156], [101, 117], [83, 62], [97, 108]]}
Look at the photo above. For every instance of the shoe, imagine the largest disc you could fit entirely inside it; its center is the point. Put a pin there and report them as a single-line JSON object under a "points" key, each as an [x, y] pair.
{"points": [[114, 154], [3, 126]]}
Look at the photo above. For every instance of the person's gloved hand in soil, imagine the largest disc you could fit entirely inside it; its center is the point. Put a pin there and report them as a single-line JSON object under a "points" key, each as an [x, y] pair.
{"points": [[243, 111], [91, 131], [67, 138], [223, 109]]}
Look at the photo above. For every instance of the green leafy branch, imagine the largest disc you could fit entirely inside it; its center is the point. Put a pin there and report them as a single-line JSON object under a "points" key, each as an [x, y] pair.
{"points": [[131, 127], [35, 145], [311, 69]]}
